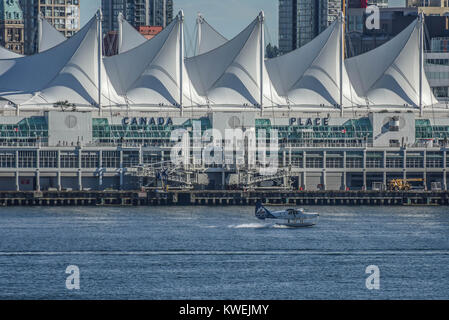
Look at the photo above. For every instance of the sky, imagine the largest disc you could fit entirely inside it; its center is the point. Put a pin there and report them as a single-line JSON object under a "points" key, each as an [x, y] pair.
{"points": [[229, 17]]}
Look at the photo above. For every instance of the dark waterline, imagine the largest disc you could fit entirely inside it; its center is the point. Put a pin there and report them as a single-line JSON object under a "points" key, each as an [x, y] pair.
{"points": [[222, 253]]}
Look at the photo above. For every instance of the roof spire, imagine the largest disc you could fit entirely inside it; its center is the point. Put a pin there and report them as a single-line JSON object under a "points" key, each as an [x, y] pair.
{"points": [[199, 22], [181, 15], [200, 18]]}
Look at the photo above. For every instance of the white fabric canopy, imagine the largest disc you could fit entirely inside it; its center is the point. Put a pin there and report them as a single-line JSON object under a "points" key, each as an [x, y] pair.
{"points": [[7, 54], [150, 74], [389, 74], [231, 73], [49, 37], [68, 71], [129, 38], [310, 75], [207, 37]]}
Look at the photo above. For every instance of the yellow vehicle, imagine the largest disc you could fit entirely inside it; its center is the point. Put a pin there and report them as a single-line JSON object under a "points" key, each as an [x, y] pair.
{"points": [[402, 184]]}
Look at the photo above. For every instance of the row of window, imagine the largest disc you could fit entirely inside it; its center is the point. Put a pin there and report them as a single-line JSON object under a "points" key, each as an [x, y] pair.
{"points": [[111, 159], [49, 159]]}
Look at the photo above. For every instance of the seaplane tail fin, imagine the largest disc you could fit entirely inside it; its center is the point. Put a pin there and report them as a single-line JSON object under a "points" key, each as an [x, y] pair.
{"points": [[261, 212]]}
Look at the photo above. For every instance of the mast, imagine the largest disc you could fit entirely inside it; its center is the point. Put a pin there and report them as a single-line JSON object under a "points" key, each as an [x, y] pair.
{"points": [[344, 25], [262, 56], [39, 30], [342, 58], [100, 55], [164, 13], [181, 56], [120, 31], [199, 22], [421, 62]]}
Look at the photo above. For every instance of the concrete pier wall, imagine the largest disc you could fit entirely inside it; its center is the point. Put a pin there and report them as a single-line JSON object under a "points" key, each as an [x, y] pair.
{"points": [[214, 197]]}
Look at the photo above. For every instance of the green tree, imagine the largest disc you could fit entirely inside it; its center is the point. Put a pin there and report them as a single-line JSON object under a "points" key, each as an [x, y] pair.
{"points": [[271, 51]]}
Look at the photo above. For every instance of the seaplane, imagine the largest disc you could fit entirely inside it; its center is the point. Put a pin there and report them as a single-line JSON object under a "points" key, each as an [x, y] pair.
{"points": [[293, 218]]}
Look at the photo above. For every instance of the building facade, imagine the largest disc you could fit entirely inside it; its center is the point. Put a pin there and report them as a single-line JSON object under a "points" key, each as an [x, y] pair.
{"points": [[317, 151], [328, 12], [64, 15], [137, 12], [11, 26], [288, 25], [437, 67], [300, 21], [63, 139]]}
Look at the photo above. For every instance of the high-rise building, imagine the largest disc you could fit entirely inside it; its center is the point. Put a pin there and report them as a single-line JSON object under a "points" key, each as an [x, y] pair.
{"points": [[308, 21], [302, 20], [11, 25], [328, 12], [288, 25], [137, 12], [64, 15]]}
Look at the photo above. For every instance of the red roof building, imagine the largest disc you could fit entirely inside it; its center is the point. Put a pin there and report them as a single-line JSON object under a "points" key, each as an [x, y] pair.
{"points": [[149, 31]]}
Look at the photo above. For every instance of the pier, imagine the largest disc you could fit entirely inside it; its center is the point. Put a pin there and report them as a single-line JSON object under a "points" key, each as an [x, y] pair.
{"points": [[222, 197]]}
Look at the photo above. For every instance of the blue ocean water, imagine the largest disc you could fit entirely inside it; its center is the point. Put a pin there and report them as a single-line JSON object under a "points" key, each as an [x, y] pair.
{"points": [[222, 253]]}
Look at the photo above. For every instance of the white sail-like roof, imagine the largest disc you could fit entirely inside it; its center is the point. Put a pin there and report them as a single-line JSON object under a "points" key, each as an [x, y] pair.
{"points": [[389, 74], [49, 37], [129, 38], [8, 54], [68, 71], [231, 74], [150, 74], [310, 75], [207, 37]]}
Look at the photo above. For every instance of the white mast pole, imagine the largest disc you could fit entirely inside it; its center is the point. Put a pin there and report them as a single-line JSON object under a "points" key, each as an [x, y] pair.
{"points": [[421, 63], [199, 22], [100, 56], [262, 56], [181, 57], [342, 58], [39, 30], [120, 31], [164, 13]]}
